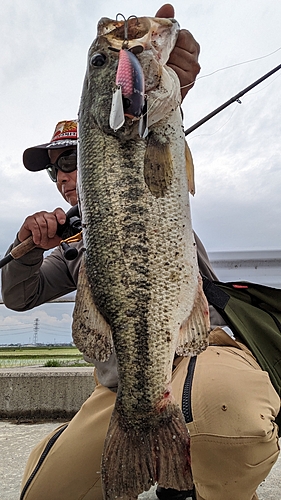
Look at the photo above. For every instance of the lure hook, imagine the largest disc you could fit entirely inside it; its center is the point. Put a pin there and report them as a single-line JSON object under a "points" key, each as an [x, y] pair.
{"points": [[126, 25]]}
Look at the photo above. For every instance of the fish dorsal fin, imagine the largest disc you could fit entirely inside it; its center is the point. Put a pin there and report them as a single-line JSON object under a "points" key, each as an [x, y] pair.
{"points": [[158, 165], [194, 331], [91, 332], [189, 169]]}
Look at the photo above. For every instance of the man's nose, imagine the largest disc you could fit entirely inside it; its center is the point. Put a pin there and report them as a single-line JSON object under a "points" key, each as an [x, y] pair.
{"points": [[62, 176]]}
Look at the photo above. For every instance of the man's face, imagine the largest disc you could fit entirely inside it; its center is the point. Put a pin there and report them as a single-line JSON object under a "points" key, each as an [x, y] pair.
{"points": [[66, 181]]}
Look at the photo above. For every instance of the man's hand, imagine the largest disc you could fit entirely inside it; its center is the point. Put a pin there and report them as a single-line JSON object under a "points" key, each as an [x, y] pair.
{"points": [[43, 228], [184, 57]]}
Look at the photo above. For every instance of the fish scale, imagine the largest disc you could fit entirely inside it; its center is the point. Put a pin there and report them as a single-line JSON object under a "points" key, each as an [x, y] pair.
{"points": [[113, 256], [139, 290], [128, 250]]}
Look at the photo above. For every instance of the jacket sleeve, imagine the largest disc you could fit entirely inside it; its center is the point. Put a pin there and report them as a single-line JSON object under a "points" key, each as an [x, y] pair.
{"points": [[206, 269], [33, 280], [204, 263]]}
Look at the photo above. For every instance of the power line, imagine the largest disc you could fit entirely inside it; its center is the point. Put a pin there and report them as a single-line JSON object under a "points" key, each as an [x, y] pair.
{"points": [[47, 326], [9, 334], [19, 327], [58, 334]]}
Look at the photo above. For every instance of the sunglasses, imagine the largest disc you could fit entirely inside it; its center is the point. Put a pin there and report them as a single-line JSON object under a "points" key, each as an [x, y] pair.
{"points": [[66, 162]]}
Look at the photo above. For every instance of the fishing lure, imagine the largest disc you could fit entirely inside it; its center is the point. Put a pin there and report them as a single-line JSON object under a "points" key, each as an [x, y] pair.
{"points": [[128, 97]]}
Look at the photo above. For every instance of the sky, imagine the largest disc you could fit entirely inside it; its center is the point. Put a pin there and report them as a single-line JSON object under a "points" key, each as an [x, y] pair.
{"points": [[237, 154]]}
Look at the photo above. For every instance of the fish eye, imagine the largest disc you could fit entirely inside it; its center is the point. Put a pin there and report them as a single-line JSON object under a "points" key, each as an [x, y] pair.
{"points": [[98, 60]]}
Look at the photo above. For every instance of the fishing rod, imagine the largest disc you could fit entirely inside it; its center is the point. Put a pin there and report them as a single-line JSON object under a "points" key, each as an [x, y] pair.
{"points": [[230, 101], [69, 232]]}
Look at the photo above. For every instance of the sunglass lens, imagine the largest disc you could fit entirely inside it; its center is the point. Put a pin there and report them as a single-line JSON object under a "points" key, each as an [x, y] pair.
{"points": [[52, 171], [67, 163]]}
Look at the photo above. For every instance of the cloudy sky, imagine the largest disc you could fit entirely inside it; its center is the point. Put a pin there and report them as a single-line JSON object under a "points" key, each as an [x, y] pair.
{"points": [[237, 155]]}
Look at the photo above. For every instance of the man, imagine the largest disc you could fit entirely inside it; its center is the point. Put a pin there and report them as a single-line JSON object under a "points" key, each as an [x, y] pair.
{"points": [[232, 404]]}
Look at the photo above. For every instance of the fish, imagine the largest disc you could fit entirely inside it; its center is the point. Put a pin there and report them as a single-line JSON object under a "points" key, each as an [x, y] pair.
{"points": [[139, 293]]}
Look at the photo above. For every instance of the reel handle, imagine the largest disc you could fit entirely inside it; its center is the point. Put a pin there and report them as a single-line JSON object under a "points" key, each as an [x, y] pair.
{"points": [[70, 253]]}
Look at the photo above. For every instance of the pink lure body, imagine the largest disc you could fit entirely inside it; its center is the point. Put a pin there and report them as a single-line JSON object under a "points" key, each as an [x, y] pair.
{"points": [[131, 80]]}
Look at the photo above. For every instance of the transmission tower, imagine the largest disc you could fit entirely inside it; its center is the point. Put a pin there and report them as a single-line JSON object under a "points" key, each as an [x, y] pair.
{"points": [[35, 331]]}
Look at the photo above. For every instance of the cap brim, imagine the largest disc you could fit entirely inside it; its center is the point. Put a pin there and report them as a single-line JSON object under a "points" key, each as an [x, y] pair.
{"points": [[37, 158]]}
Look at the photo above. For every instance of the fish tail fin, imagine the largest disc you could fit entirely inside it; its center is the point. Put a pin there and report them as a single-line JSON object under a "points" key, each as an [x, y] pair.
{"points": [[194, 331], [134, 459]]}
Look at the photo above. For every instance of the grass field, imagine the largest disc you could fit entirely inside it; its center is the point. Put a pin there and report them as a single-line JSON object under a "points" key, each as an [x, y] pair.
{"points": [[40, 356]]}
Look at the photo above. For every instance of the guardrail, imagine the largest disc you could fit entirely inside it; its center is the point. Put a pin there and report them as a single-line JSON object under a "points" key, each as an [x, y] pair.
{"points": [[262, 267]]}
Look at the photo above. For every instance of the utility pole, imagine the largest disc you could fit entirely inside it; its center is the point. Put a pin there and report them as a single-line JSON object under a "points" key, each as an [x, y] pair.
{"points": [[35, 331]]}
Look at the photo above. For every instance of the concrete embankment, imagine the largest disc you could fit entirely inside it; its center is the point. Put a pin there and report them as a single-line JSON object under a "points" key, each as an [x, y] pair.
{"points": [[38, 392]]}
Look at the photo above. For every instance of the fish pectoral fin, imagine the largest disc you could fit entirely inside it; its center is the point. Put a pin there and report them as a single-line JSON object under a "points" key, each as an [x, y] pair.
{"points": [[189, 169], [194, 331], [91, 333], [158, 165]]}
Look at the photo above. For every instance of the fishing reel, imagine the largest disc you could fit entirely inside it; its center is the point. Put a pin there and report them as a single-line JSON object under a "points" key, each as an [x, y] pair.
{"points": [[70, 232]]}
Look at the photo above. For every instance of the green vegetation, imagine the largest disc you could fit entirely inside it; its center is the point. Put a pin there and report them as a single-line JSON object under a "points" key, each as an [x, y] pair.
{"points": [[52, 362], [50, 356]]}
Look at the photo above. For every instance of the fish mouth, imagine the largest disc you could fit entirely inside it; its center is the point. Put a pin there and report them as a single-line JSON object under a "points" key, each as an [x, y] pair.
{"points": [[141, 33], [129, 29]]}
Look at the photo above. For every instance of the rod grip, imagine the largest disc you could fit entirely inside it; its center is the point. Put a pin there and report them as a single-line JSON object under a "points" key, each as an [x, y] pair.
{"points": [[23, 248]]}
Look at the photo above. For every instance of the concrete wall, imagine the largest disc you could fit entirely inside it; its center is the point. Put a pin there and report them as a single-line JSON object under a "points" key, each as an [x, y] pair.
{"points": [[44, 392]]}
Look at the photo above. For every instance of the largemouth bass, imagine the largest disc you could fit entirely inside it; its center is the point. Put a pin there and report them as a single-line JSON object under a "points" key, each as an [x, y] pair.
{"points": [[139, 292]]}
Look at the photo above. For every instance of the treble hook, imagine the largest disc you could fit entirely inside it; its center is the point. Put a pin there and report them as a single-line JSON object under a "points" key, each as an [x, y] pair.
{"points": [[126, 21]]}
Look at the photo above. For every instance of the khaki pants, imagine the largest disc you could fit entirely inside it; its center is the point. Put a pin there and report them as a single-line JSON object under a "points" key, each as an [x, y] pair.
{"points": [[234, 439]]}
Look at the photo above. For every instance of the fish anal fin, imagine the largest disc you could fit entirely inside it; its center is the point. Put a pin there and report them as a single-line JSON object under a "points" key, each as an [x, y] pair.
{"points": [[194, 331], [158, 165], [91, 333], [189, 169], [134, 459]]}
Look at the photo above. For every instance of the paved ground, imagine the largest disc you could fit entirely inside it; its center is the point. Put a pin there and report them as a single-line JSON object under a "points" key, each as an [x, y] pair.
{"points": [[16, 441]]}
